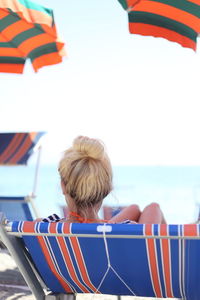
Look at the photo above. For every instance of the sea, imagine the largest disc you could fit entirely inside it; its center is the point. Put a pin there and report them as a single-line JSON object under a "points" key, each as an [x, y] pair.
{"points": [[175, 188]]}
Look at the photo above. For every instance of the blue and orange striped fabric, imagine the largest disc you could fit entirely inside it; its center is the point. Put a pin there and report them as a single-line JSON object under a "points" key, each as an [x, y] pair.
{"points": [[27, 31], [109, 263], [177, 21], [16, 148]]}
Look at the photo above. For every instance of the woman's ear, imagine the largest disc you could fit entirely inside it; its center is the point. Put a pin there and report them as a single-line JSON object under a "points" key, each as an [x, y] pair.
{"points": [[63, 187]]}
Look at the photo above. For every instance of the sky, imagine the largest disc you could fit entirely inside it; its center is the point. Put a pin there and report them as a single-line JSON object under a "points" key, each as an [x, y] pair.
{"points": [[139, 95]]}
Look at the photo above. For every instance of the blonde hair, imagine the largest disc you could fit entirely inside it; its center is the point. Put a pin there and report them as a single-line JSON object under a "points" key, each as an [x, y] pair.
{"points": [[86, 172]]}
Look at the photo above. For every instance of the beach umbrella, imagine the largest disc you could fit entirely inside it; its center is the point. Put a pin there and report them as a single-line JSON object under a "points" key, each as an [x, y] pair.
{"points": [[27, 31], [17, 147], [175, 20]]}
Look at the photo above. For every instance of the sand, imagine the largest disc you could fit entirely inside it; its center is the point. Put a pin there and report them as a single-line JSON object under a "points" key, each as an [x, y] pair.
{"points": [[13, 286]]}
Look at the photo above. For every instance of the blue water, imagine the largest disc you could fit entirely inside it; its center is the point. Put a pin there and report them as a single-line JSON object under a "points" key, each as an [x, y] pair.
{"points": [[176, 189]]}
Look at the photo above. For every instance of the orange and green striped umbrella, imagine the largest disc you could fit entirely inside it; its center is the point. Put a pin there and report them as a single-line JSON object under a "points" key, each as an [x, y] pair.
{"points": [[27, 31], [175, 20]]}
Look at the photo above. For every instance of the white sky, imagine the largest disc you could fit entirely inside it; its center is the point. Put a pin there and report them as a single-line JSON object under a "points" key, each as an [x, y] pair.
{"points": [[140, 95]]}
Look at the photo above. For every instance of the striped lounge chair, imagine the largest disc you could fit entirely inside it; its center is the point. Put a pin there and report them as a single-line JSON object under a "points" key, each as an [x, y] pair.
{"points": [[15, 150], [59, 260]]}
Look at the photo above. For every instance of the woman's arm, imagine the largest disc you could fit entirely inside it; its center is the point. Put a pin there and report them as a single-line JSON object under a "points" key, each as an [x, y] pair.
{"points": [[152, 214]]}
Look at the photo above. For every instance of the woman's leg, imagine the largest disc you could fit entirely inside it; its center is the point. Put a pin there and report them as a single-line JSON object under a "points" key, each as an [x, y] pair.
{"points": [[131, 212], [152, 214]]}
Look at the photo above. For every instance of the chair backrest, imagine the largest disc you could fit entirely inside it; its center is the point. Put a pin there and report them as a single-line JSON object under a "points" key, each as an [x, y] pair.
{"points": [[16, 208], [132, 259], [15, 149]]}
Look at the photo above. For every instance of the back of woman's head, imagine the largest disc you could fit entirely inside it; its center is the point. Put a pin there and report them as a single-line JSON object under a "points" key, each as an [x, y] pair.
{"points": [[86, 172]]}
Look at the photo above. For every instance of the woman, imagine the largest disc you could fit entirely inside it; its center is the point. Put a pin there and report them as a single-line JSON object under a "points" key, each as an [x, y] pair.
{"points": [[86, 179]]}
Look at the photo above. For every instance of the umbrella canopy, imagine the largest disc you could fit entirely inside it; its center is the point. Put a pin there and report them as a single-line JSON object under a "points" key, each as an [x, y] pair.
{"points": [[27, 30], [175, 20], [17, 147]]}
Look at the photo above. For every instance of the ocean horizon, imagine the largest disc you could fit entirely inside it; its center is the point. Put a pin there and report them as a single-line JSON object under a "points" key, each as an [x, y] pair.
{"points": [[175, 188]]}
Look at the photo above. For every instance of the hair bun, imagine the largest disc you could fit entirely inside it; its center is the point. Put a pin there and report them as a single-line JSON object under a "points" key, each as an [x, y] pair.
{"points": [[88, 147]]}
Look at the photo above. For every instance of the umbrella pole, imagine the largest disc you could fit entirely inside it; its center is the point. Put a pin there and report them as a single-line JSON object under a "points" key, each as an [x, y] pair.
{"points": [[33, 195], [36, 173]]}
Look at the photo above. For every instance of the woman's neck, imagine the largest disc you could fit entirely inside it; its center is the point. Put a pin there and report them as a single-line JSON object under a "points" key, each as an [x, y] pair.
{"points": [[76, 214], [86, 215]]}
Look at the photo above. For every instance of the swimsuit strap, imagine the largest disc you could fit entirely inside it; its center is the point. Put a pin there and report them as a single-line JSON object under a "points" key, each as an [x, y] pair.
{"points": [[80, 219]]}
